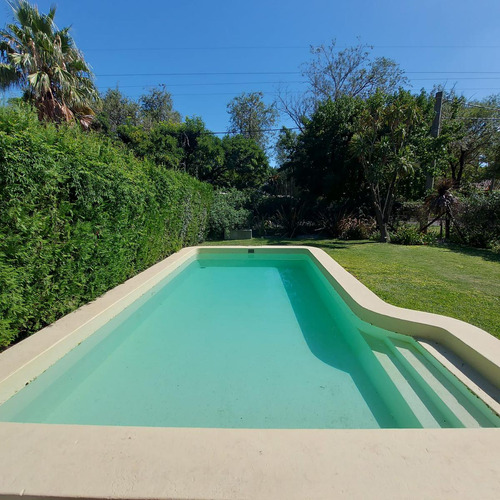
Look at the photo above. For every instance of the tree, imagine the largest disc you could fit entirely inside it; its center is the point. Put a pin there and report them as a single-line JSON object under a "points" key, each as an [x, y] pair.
{"points": [[250, 116], [321, 164], [245, 163], [467, 133], [117, 110], [299, 107], [388, 130], [203, 151], [157, 106], [491, 170], [152, 108], [158, 144], [440, 203], [187, 146], [45, 63], [286, 146], [351, 72], [332, 74]]}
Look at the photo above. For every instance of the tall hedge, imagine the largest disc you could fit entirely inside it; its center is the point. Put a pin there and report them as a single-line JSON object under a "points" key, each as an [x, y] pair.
{"points": [[78, 216]]}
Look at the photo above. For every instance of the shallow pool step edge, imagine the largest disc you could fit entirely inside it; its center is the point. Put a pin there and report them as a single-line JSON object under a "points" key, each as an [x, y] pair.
{"points": [[428, 389], [419, 408], [418, 386], [466, 405]]}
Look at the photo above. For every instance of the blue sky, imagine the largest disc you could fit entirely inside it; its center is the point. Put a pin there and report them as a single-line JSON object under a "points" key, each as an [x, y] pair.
{"points": [[440, 41]]}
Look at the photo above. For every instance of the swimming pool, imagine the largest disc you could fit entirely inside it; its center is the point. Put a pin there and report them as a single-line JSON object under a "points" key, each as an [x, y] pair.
{"points": [[247, 339]]}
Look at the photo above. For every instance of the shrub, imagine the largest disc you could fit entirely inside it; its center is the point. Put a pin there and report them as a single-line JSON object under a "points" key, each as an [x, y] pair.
{"points": [[343, 219], [228, 212], [407, 234], [478, 217], [280, 214], [355, 228], [265, 209], [330, 216], [78, 216], [408, 211], [290, 216], [495, 246]]}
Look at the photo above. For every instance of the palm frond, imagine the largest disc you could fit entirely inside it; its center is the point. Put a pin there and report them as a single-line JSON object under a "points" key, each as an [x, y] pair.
{"points": [[8, 76], [44, 61]]}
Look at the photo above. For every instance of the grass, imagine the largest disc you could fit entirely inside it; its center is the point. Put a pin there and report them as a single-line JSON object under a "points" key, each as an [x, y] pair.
{"points": [[455, 281]]}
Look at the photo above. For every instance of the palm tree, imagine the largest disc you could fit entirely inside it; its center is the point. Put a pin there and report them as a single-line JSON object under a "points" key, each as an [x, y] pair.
{"points": [[45, 63], [441, 203]]}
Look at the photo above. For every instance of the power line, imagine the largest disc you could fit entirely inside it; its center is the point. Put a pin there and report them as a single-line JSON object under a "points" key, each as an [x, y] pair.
{"points": [[207, 73], [471, 105], [201, 94], [236, 73], [481, 118], [436, 46], [228, 93], [452, 72], [478, 88], [158, 49], [212, 94], [460, 78], [281, 47], [259, 130], [203, 84], [211, 84]]}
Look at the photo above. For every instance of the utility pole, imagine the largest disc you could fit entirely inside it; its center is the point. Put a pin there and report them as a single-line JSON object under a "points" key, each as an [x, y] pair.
{"points": [[435, 129]]}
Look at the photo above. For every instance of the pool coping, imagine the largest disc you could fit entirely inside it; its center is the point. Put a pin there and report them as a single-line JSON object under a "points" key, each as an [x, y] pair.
{"points": [[242, 463]]}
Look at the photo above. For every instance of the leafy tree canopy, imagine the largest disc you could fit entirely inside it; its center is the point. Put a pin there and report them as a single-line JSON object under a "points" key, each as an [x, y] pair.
{"points": [[157, 106], [468, 136], [286, 146], [386, 143], [246, 164], [117, 110], [322, 165], [250, 116]]}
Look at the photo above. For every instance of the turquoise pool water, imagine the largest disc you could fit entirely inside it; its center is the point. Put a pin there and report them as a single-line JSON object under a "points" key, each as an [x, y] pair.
{"points": [[247, 341]]}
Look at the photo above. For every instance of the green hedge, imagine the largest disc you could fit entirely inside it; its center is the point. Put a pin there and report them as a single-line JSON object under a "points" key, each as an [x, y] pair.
{"points": [[78, 216]]}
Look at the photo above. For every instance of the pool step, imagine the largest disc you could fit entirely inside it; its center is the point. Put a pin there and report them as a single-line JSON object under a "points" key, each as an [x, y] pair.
{"points": [[399, 409], [421, 411], [435, 396]]}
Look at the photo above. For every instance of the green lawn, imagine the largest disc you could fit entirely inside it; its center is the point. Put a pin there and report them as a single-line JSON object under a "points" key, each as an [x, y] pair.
{"points": [[463, 283]]}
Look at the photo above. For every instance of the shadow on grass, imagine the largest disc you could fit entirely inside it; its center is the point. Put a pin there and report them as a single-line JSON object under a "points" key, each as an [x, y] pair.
{"points": [[342, 245], [319, 241], [483, 253], [335, 244]]}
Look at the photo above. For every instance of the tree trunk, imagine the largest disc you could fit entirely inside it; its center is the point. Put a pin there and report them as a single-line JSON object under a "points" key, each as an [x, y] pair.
{"points": [[379, 216], [461, 166], [384, 234]]}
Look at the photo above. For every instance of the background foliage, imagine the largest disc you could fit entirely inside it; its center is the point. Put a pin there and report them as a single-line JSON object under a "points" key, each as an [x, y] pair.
{"points": [[229, 211], [478, 216]]}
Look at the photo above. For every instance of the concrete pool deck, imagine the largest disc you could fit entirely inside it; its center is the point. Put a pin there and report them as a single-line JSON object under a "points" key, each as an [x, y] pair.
{"points": [[66, 461], [71, 461]]}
